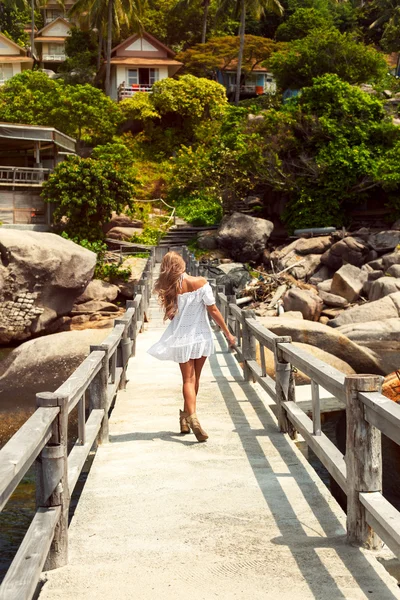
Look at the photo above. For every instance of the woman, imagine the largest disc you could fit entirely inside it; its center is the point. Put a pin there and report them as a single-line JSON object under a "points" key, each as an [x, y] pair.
{"points": [[188, 338]]}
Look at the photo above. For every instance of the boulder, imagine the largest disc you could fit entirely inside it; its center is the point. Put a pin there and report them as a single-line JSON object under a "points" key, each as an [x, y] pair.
{"points": [[396, 225], [43, 364], [305, 301], [136, 267], [324, 286], [98, 290], [314, 245], [360, 359], [332, 299], [122, 221], [390, 259], [394, 271], [391, 385], [42, 274], [374, 275], [381, 337], [386, 308], [207, 240], [383, 287], [384, 241], [303, 265], [94, 306], [123, 233], [374, 265], [234, 276], [350, 250], [299, 377], [243, 236], [291, 314], [323, 274], [348, 282]]}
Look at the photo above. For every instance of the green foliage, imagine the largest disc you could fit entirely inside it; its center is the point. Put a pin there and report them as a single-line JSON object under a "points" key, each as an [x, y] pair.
{"points": [[85, 193], [149, 237], [81, 111], [326, 51], [301, 23], [119, 156], [139, 107], [13, 21], [200, 211], [111, 271]]}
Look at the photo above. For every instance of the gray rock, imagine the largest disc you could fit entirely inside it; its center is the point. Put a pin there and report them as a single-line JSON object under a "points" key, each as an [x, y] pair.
{"points": [[332, 299], [323, 274], [123, 233], [375, 265], [122, 221], [325, 286], [303, 266], [93, 306], [291, 314], [396, 225], [386, 308], [47, 273], [207, 240], [384, 241], [350, 250], [304, 301], [390, 259], [348, 282], [360, 359], [374, 275], [394, 271], [99, 290], [136, 267], [244, 237], [383, 287], [314, 245]]}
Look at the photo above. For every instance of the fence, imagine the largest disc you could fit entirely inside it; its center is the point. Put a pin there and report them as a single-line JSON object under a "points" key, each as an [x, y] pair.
{"points": [[22, 175], [44, 436], [370, 517]]}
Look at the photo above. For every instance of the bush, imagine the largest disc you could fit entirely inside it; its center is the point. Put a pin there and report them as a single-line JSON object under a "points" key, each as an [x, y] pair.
{"points": [[326, 51], [301, 23], [200, 211], [85, 193], [150, 236]]}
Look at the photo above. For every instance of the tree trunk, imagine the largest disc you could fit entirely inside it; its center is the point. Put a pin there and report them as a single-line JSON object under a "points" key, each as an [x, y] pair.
{"points": [[109, 42], [33, 31], [241, 49], [206, 6], [100, 49]]}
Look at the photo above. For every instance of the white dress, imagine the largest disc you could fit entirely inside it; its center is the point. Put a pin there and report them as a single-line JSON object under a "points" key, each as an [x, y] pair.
{"points": [[189, 334]]}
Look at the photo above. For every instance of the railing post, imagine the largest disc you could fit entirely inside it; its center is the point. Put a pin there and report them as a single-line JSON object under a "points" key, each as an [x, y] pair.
{"points": [[231, 300], [363, 460], [133, 327], [52, 477], [98, 393], [123, 353], [249, 344], [285, 388]]}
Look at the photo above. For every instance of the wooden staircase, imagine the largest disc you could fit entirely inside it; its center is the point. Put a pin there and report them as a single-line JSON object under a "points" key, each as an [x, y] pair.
{"points": [[182, 233]]}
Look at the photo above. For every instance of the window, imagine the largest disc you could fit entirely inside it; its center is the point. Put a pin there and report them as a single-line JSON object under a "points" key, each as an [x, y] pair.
{"points": [[56, 49], [132, 77], [6, 71], [154, 76]]}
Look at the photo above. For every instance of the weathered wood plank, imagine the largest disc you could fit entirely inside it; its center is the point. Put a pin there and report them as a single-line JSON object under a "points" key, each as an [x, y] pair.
{"points": [[382, 413], [249, 344], [363, 459], [79, 453], [328, 377], [263, 335], [316, 407], [267, 383], [81, 378], [236, 312], [23, 575], [384, 519], [112, 388], [113, 339], [22, 449], [285, 386], [328, 454]]}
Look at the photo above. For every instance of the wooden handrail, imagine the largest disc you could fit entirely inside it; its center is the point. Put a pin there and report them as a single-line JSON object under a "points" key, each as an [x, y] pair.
{"points": [[369, 413], [43, 438]]}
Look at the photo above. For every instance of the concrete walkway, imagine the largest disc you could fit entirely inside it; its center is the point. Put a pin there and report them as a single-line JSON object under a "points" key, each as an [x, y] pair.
{"points": [[242, 516]]}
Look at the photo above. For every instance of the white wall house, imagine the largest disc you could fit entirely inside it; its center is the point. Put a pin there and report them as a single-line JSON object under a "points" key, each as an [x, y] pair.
{"points": [[53, 10], [13, 59], [50, 42], [137, 63]]}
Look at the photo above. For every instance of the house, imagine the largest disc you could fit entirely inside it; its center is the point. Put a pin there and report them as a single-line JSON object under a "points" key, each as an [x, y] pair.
{"points": [[13, 59], [137, 63], [50, 43], [54, 10], [28, 154], [253, 83]]}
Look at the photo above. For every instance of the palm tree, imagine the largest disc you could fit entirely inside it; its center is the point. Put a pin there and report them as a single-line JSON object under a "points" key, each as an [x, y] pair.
{"points": [[185, 4], [107, 16], [257, 8]]}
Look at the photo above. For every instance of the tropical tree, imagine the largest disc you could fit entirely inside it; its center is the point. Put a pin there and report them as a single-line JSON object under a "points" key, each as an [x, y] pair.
{"points": [[107, 16], [257, 8]]}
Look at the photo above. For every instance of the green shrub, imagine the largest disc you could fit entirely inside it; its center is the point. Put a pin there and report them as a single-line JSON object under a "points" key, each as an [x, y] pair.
{"points": [[200, 211], [150, 236]]}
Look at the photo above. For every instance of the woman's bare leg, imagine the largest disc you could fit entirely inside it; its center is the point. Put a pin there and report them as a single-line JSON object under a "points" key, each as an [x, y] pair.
{"points": [[189, 386], [198, 365]]}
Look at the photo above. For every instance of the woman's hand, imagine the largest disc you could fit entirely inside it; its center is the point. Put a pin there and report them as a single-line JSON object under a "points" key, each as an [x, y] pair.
{"points": [[231, 340]]}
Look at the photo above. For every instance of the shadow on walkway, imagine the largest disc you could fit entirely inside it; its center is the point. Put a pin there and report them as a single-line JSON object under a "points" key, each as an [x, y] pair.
{"points": [[293, 534]]}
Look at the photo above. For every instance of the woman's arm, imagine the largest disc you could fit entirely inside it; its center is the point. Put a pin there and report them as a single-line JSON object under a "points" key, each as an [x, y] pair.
{"points": [[218, 318]]}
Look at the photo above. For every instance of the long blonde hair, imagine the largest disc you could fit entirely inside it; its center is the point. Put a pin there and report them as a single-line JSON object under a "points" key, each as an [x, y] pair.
{"points": [[166, 286]]}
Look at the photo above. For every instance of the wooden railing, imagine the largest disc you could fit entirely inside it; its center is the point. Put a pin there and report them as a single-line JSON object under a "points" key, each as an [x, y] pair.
{"points": [[129, 91], [44, 436], [13, 175], [370, 517]]}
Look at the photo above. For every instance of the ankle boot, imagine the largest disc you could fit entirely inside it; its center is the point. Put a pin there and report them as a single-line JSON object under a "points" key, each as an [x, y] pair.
{"points": [[183, 422], [195, 426]]}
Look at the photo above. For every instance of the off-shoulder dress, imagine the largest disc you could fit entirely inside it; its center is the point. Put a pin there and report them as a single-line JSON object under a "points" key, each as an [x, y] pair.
{"points": [[189, 334]]}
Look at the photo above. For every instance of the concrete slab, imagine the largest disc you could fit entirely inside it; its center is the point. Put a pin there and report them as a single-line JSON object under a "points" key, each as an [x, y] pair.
{"points": [[243, 516]]}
